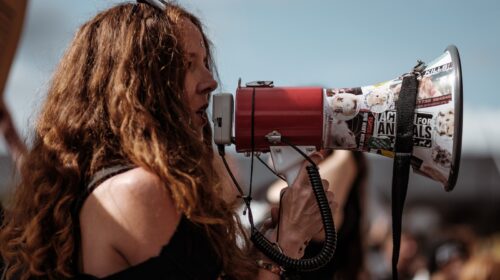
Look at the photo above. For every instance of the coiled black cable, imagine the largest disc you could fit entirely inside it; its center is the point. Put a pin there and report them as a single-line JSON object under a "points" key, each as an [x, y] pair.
{"points": [[329, 245]]}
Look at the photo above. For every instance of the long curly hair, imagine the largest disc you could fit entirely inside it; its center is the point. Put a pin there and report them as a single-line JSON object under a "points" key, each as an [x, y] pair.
{"points": [[116, 98]]}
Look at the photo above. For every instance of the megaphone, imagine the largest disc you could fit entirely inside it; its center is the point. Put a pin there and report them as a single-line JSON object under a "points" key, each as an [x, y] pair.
{"points": [[290, 122], [358, 118]]}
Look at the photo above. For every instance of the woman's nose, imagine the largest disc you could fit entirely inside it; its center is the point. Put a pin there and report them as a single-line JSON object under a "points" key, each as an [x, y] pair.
{"points": [[208, 84]]}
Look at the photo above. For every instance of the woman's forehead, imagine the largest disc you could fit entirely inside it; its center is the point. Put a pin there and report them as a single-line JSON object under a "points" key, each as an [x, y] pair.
{"points": [[192, 38]]}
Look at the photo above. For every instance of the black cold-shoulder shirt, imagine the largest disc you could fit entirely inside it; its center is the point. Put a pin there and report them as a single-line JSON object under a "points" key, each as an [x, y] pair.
{"points": [[188, 255]]}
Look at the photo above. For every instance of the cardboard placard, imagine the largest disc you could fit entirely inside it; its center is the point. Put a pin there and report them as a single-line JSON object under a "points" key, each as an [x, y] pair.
{"points": [[11, 22]]}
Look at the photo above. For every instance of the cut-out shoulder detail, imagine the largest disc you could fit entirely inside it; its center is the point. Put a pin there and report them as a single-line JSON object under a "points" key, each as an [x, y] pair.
{"points": [[106, 173], [125, 221]]}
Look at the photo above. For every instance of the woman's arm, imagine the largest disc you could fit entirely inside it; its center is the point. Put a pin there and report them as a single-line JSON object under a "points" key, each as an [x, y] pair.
{"points": [[340, 170]]}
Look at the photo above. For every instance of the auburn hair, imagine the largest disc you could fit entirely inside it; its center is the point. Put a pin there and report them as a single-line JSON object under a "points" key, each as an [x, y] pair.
{"points": [[116, 98]]}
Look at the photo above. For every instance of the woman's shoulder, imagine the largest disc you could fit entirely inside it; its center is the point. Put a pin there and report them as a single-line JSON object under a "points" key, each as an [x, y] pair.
{"points": [[133, 212], [136, 185], [131, 191]]}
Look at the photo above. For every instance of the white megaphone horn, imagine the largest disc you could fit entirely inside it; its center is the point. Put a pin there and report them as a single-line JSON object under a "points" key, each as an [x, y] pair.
{"points": [[359, 118]]}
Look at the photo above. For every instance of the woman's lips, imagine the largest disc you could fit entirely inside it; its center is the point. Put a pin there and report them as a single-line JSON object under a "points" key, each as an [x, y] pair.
{"points": [[203, 117], [201, 113]]}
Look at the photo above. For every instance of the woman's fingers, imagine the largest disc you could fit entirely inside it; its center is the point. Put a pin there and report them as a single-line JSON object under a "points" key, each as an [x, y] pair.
{"points": [[320, 234], [331, 200], [326, 184], [303, 177], [275, 216]]}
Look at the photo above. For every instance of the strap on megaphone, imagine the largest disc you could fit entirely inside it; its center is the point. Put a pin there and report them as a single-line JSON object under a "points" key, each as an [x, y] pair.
{"points": [[403, 148]]}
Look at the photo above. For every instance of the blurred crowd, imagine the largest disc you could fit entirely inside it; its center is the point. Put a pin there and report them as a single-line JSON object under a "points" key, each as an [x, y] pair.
{"points": [[446, 253]]}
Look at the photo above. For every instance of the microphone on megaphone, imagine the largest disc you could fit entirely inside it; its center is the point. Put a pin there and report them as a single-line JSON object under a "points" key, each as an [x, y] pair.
{"points": [[360, 118]]}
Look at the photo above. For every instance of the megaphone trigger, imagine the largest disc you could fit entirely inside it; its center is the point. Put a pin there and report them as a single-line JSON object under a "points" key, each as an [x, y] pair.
{"points": [[287, 161]]}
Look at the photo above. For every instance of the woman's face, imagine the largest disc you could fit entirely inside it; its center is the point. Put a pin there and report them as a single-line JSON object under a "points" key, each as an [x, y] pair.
{"points": [[199, 82]]}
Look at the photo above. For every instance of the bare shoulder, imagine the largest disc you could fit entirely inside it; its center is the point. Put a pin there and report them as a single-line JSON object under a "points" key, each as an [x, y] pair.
{"points": [[133, 212]]}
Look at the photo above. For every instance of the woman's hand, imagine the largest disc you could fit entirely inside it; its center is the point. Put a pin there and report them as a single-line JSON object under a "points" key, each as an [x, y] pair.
{"points": [[300, 218]]}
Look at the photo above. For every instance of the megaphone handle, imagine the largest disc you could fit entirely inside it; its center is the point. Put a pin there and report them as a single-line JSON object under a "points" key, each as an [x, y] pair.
{"points": [[287, 161], [292, 173]]}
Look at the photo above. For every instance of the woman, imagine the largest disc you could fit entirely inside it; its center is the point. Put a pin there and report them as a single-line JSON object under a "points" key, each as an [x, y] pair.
{"points": [[119, 182]]}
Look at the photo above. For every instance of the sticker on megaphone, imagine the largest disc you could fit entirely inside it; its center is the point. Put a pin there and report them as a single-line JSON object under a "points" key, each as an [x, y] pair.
{"points": [[364, 119]]}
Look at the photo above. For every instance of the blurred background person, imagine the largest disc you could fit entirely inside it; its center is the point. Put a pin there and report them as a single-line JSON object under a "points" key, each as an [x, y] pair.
{"points": [[448, 260], [481, 267], [463, 254], [449, 251]]}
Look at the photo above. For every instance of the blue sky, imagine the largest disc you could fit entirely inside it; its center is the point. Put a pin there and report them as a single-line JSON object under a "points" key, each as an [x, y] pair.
{"points": [[299, 43]]}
